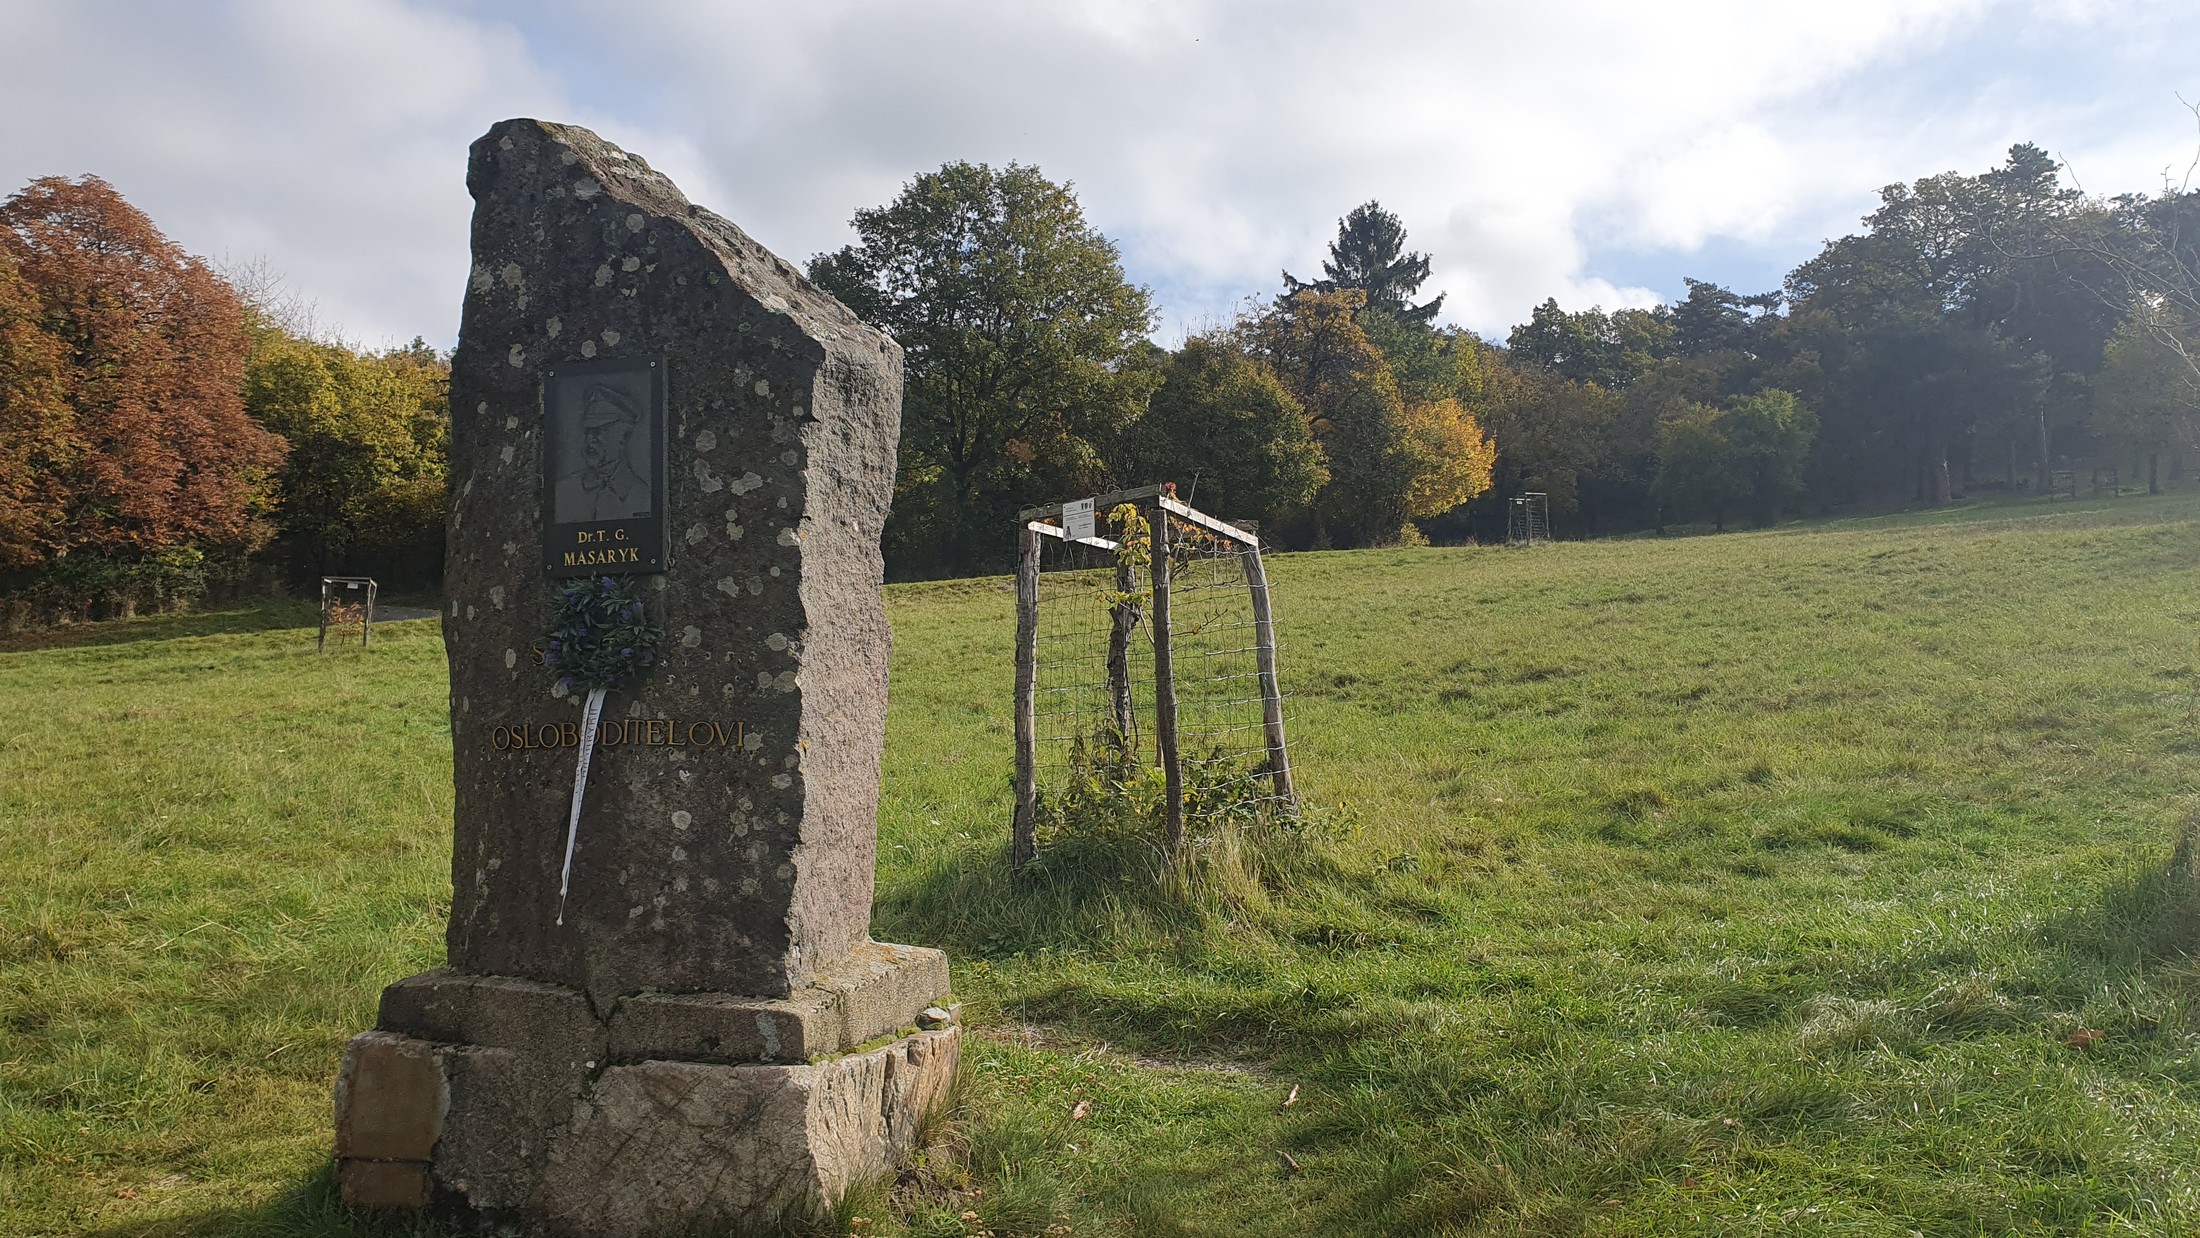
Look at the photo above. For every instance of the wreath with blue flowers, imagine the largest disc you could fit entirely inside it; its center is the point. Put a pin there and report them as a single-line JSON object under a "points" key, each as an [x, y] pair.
{"points": [[602, 636]]}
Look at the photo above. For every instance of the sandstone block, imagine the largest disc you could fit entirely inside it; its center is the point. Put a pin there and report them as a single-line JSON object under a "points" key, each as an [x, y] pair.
{"points": [[505, 1105], [390, 1098], [496, 1012], [881, 988], [876, 990], [662, 1145], [383, 1184]]}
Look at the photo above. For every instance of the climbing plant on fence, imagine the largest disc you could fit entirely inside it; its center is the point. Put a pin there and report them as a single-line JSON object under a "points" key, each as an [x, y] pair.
{"points": [[1147, 695]]}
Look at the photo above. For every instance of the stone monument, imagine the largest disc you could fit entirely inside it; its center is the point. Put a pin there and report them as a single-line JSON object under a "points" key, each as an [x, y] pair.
{"points": [[700, 1032]]}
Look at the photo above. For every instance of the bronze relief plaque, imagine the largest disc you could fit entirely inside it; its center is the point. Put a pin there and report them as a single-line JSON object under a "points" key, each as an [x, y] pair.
{"points": [[603, 467]]}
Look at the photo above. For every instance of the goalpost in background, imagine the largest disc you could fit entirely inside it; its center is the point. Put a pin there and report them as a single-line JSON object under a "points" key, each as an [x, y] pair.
{"points": [[1142, 620], [1528, 519]]}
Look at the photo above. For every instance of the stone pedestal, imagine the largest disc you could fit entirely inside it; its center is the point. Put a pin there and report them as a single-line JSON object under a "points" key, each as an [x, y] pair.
{"points": [[701, 1033], [492, 1098]]}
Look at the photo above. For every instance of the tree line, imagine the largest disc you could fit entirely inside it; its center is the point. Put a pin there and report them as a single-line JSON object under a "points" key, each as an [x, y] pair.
{"points": [[164, 432], [1979, 332], [164, 436], [1335, 415]]}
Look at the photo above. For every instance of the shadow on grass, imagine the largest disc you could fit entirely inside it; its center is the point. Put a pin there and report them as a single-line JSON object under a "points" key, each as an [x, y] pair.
{"points": [[971, 902], [315, 1209], [311, 1209], [2150, 917], [262, 616], [2131, 960], [1113, 890]]}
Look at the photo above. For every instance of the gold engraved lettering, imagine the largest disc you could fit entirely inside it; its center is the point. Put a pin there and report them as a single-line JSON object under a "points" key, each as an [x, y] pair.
{"points": [[622, 732], [606, 557]]}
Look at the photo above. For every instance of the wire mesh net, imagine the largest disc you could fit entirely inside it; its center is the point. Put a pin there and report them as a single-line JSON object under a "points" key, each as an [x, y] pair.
{"points": [[1094, 680], [1220, 708], [1093, 699]]}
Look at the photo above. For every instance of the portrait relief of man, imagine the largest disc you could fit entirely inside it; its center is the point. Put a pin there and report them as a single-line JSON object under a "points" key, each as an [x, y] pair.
{"points": [[603, 456]]}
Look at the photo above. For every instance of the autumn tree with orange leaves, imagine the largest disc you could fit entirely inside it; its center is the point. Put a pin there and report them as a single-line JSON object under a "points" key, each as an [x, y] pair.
{"points": [[35, 443], [1392, 457], [121, 390]]}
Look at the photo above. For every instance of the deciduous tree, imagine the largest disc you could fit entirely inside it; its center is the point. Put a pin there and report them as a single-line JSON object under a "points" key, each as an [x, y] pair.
{"points": [[1696, 474], [368, 435], [1591, 346], [1222, 421], [2147, 399], [1452, 458], [1015, 318], [1749, 454], [159, 450], [1553, 434], [38, 443], [1314, 345]]}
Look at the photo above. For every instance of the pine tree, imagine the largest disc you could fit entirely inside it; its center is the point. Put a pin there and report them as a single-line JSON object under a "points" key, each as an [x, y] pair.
{"points": [[1370, 255]]}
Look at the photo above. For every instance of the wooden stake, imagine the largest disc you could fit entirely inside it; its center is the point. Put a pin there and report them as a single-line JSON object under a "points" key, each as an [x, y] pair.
{"points": [[1125, 618], [1024, 842], [1164, 681], [1271, 692]]}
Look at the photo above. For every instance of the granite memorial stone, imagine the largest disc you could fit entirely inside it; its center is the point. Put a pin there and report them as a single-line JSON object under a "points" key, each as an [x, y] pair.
{"points": [[642, 392]]}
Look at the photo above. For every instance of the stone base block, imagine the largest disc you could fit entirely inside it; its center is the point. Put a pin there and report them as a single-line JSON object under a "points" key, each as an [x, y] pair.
{"points": [[489, 1098], [391, 1090], [641, 1150], [660, 1147], [383, 1184], [878, 990]]}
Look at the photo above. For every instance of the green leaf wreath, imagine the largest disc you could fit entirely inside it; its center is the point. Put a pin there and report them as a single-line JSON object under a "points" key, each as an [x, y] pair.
{"points": [[602, 636]]}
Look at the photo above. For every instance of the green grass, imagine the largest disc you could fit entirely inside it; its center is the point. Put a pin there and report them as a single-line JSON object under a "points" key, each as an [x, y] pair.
{"points": [[1740, 884]]}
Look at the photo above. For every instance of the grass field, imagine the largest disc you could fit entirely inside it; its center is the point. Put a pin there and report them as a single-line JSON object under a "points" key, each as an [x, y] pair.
{"points": [[1812, 881]]}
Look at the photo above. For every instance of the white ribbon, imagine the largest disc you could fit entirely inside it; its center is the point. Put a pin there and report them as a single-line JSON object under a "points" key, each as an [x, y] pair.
{"points": [[590, 714]]}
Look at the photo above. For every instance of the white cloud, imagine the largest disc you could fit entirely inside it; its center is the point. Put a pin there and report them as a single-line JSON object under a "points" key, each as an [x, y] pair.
{"points": [[1530, 148], [329, 138]]}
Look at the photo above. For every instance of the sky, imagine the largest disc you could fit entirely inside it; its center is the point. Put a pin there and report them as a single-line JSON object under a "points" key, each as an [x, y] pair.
{"points": [[1596, 152]]}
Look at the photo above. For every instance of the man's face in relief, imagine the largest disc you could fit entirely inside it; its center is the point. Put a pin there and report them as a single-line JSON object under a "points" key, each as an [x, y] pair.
{"points": [[603, 444]]}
